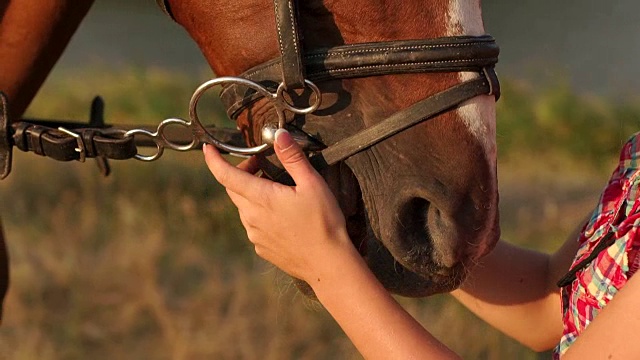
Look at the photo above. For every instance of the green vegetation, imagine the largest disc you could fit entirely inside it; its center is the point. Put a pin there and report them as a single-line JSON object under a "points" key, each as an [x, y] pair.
{"points": [[558, 123], [152, 263]]}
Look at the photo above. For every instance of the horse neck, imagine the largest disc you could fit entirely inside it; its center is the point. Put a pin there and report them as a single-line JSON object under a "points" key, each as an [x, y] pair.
{"points": [[237, 35]]}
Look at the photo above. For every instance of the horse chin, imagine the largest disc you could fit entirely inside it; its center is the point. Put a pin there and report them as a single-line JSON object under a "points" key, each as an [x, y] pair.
{"points": [[401, 280], [397, 279]]}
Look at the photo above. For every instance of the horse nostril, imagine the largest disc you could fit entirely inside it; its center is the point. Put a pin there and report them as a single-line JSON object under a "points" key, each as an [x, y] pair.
{"points": [[425, 238], [413, 228]]}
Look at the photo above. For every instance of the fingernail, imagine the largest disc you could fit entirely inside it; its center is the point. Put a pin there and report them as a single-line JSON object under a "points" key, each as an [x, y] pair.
{"points": [[283, 142]]}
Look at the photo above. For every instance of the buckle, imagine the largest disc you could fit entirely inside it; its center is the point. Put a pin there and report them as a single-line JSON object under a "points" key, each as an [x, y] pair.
{"points": [[81, 149]]}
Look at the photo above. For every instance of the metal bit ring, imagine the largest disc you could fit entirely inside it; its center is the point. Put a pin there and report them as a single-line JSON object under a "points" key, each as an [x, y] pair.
{"points": [[276, 99]]}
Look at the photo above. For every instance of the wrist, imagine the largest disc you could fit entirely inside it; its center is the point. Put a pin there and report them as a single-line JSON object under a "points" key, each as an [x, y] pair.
{"points": [[340, 266]]}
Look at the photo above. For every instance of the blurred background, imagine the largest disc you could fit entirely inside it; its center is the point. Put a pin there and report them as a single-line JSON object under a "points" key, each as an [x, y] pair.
{"points": [[152, 263]]}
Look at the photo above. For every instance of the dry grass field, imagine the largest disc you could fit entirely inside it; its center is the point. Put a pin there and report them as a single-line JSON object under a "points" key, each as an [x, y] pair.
{"points": [[152, 263]]}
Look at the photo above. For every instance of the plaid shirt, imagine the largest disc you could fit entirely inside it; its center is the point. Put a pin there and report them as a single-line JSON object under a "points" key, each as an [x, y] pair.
{"points": [[618, 212]]}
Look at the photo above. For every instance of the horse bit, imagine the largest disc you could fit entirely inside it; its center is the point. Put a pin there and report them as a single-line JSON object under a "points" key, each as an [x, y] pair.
{"points": [[202, 135], [67, 141]]}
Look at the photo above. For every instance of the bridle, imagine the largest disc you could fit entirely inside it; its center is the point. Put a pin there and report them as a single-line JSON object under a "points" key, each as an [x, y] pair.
{"points": [[298, 70], [273, 81], [295, 70]]}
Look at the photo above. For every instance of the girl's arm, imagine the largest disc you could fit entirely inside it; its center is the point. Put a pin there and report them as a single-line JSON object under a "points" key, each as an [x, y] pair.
{"points": [[514, 290], [613, 334], [376, 324], [302, 231]]}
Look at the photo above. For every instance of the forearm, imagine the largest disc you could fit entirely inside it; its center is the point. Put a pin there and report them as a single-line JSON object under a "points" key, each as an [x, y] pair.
{"points": [[512, 290], [377, 325], [29, 49]]}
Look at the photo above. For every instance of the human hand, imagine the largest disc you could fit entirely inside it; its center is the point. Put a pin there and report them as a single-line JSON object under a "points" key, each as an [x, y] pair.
{"points": [[297, 228]]}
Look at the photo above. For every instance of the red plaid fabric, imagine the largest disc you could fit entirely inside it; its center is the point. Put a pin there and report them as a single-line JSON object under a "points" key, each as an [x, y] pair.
{"points": [[618, 212]]}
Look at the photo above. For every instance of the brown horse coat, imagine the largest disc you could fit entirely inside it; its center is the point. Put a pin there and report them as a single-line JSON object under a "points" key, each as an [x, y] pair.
{"points": [[27, 55]]}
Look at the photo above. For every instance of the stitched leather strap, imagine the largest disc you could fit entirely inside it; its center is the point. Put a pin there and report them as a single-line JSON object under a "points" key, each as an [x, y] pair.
{"points": [[98, 139], [450, 54], [289, 41], [58, 145], [421, 111]]}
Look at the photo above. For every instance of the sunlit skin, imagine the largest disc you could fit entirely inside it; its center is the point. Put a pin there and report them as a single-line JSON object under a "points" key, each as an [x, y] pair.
{"points": [[302, 231]]}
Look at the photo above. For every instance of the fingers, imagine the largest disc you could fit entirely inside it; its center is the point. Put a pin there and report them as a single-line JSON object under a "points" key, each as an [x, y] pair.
{"points": [[241, 202], [241, 180], [235, 179], [293, 158], [250, 165]]}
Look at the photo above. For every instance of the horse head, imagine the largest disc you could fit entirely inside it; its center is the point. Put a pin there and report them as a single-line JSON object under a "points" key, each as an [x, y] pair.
{"points": [[421, 205]]}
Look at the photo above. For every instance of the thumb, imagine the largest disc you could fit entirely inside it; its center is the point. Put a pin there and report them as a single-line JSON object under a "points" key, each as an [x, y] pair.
{"points": [[293, 158]]}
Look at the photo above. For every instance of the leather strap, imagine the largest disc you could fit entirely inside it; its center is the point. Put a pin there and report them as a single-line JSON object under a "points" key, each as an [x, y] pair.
{"points": [[59, 145], [5, 145], [289, 41], [570, 276], [421, 111], [450, 54]]}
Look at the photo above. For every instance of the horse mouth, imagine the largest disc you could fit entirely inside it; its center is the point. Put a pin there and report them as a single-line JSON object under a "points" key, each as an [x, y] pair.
{"points": [[357, 233], [414, 248], [358, 226], [346, 189], [410, 270]]}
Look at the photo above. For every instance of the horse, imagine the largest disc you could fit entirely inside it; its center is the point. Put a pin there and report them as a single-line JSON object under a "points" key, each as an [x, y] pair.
{"points": [[420, 197]]}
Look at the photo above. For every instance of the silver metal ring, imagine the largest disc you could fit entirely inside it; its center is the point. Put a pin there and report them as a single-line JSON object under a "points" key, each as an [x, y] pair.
{"points": [[200, 130], [286, 105], [156, 140]]}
